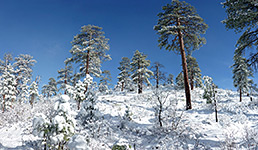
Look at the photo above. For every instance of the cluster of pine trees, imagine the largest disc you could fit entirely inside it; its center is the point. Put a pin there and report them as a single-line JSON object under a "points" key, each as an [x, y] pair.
{"points": [[16, 82], [179, 28]]}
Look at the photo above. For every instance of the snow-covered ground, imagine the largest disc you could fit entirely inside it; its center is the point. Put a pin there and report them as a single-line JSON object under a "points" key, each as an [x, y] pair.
{"points": [[130, 120]]}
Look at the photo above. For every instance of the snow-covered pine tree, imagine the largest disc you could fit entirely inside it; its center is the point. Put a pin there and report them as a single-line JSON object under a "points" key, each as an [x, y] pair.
{"points": [[50, 89], [56, 129], [208, 89], [80, 89], [179, 27], [170, 79], [180, 81], [105, 80], [140, 72], [65, 77], [23, 67], [23, 64], [158, 74], [7, 87], [89, 50], [242, 16], [124, 75], [33, 92], [241, 73], [194, 71]]}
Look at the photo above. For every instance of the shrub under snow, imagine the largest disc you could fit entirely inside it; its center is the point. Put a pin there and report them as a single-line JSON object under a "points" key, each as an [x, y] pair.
{"points": [[56, 129]]}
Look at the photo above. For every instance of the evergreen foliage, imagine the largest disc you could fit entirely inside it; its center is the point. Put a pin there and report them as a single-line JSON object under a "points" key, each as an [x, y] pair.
{"points": [[208, 89], [170, 79], [105, 80], [79, 92], [23, 69], [159, 76], [180, 81], [33, 92], [242, 16], [195, 75], [140, 72], [89, 50], [124, 75], [7, 87], [56, 129], [241, 73], [50, 89], [179, 27], [65, 77]]}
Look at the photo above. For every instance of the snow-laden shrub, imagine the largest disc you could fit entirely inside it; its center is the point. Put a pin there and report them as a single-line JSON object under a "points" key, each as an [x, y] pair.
{"points": [[88, 115], [56, 129], [22, 112], [79, 93], [78, 142], [208, 89]]}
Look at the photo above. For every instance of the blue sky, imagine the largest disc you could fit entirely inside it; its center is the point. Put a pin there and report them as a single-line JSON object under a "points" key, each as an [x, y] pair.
{"points": [[45, 28]]}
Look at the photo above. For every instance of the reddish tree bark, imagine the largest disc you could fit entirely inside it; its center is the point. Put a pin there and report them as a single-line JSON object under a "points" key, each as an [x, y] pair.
{"points": [[184, 64]]}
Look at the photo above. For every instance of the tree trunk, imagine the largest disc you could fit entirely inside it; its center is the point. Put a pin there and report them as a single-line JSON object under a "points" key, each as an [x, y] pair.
{"points": [[215, 107], [139, 79], [186, 82], [160, 111], [122, 88], [79, 105], [157, 80], [65, 80], [240, 94]]}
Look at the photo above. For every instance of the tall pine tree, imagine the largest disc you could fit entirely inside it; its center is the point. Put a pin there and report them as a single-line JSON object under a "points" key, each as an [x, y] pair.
{"points": [[241, 74], [89, 50], [179, 27], [242, 16], [124, 75], [7, 87], [140, 71], [158, 74]]}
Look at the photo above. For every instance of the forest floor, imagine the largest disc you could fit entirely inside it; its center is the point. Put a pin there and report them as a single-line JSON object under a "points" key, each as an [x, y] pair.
{"points": [[132, 121]]}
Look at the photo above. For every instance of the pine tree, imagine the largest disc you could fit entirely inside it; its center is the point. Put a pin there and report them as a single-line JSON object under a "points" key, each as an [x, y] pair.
{"points": [[23, 65], [7, 87], [65, 77], [208, 89], [180, 81], [124, 75], [158, 74], [33, 92], [195, 75], [241, 74], [140, 72], [242, 16], [170, 79], [179, 27], [50, 89], [89, 50], [80, 88], [105, 80]]}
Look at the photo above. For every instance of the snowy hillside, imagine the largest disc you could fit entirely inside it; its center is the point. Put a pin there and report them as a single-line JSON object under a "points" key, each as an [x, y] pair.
{"points": [[131, 120]]}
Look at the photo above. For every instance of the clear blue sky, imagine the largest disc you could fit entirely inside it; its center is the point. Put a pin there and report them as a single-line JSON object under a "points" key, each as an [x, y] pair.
{"points": [[45, 28]]}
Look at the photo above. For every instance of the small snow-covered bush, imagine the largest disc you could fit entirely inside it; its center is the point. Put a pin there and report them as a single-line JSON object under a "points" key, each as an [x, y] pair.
{"points": [[208, 89], [78, 142], [56, 129]]}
